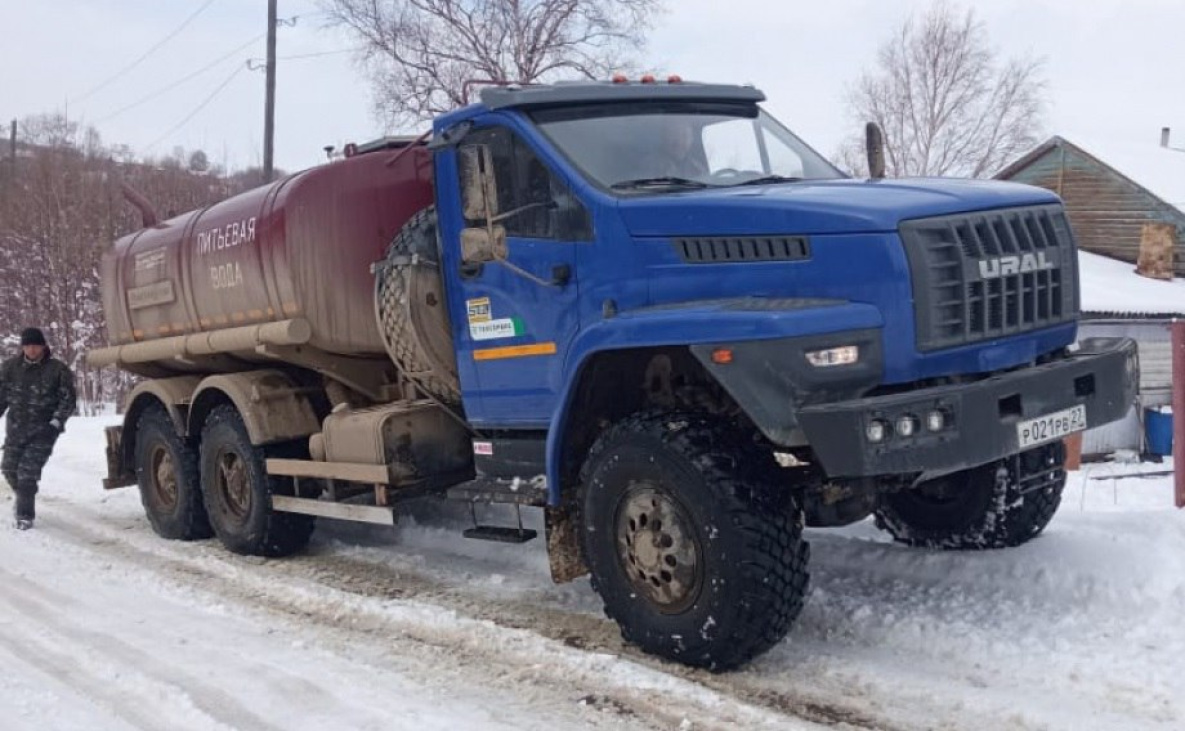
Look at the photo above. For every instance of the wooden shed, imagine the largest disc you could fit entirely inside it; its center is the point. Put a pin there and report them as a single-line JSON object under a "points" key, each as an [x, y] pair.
{"points": [[1111, 190]]}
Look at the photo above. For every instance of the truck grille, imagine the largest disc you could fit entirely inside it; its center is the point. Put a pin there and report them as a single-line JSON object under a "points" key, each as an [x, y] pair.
{"points": [[983, 275]]}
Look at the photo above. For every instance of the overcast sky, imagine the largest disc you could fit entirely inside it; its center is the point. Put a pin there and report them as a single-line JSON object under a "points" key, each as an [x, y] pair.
{"points": [[1115, 68]]}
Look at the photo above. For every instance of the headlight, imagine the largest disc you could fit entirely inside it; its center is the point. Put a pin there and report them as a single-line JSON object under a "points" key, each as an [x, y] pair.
{"points": [[907, 425], [936, 420], [877, 431], [843, 355]]}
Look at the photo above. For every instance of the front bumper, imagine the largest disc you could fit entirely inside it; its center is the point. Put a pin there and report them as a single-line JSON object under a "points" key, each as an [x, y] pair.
{"points": [[982, 416]]}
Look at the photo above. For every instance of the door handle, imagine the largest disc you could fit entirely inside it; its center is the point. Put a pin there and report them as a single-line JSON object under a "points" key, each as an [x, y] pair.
{"points": [[471, 269], [561, 274]]}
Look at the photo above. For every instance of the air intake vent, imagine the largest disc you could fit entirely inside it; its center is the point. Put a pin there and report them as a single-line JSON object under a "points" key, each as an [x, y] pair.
{"points": [[737, 249]]}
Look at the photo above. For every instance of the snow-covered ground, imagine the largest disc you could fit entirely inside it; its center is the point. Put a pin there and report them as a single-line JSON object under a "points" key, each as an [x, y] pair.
{"points": [[1110, 285], [104, 626]]}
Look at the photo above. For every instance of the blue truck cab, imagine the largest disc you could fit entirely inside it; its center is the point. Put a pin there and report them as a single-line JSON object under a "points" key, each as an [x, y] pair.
{"points": [[705, 335]]}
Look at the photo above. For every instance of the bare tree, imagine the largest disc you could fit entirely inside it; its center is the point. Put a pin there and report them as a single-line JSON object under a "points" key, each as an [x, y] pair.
{"points": [[422, 53], [947, 105], [58, 215]]}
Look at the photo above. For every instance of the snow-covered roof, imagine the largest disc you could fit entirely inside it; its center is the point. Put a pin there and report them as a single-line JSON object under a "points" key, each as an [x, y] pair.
{"points": [[1112, 287], [1159, 170]]}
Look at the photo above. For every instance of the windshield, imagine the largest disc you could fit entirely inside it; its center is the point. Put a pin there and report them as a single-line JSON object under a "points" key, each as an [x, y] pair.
{"points": [[658, 146]]}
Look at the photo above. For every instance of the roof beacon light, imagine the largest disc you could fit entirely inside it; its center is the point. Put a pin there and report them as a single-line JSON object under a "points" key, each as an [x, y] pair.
{"points": [[648, 79], [674, 79], [620, 79]]}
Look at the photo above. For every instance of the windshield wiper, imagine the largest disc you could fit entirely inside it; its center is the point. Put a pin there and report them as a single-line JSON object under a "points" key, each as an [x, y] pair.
{"points": [[767, 179], [666, 181]]}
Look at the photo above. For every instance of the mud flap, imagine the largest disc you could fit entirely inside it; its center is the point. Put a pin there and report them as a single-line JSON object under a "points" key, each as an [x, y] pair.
{"points": [[563, 547], [117, 475]]}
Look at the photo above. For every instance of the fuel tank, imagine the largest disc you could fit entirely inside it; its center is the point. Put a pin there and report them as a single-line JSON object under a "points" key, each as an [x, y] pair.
{"points": [[298, 249]]}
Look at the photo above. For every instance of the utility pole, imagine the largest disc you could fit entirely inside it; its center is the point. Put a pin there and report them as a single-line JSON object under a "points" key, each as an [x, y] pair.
{"points": [[269, 110]]}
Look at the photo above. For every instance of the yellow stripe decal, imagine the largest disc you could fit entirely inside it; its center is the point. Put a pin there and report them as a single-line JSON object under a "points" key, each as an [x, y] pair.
{"points": [[515, 351]]}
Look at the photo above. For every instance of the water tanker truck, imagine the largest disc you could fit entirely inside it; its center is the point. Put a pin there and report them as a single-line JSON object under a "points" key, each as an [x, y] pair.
{"points": [[647, 309]]}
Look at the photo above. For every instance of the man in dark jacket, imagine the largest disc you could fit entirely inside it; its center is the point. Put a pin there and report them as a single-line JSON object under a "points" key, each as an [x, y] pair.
{"points": [[37, 391]]}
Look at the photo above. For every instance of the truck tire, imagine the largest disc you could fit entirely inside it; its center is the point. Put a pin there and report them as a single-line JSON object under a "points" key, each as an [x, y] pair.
{"points": [[998, 505], [237, 492], [167, 473], [696, 553]]}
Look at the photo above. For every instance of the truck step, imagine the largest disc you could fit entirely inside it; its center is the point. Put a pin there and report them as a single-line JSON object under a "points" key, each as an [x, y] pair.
{"points": [[500, 490], [499, 533]]}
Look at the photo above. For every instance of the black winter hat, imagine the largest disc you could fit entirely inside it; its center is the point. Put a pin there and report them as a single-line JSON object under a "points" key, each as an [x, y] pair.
{"points": [[32, 336]]}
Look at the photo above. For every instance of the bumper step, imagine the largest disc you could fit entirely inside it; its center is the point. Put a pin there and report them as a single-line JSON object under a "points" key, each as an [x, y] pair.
{"points": [[500, 534]]}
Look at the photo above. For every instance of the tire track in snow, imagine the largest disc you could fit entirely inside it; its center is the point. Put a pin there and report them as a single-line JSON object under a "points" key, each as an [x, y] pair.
{"points": [[581, 632], [653, 693], [77, 672], [41, 607]]}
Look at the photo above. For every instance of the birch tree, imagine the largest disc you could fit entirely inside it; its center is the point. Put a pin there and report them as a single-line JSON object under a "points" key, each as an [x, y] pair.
{"points": [[947, 103]]}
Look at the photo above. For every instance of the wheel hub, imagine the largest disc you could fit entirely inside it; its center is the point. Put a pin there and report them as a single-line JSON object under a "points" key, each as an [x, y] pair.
{"points": [[658, 550], [234, 485], [164, 477]]}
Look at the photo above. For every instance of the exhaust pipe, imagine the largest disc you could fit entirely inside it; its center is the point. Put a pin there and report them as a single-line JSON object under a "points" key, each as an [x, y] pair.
{"points": [[148, 217]]}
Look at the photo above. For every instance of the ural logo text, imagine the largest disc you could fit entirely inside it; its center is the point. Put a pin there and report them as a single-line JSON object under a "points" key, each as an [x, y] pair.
{"points": [[1007, 265]]}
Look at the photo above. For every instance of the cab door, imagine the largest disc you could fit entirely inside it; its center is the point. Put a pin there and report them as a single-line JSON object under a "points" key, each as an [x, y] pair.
{"points": [[512, 246]]}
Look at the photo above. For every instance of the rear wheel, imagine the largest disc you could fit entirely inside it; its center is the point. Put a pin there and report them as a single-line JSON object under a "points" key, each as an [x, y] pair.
{"points": [[167, 473], [695, 551], [998, 505], [237, 492]]}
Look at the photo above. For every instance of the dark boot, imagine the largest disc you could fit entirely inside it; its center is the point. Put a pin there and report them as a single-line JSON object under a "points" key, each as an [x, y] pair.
{"points": [[26, 505]]}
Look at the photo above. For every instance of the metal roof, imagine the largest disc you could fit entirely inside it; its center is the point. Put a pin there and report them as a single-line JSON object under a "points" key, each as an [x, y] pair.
{"points": [[1158, 170], [1112, 288]]}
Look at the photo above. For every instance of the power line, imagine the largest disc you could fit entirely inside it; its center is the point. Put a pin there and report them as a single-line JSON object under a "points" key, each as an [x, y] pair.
{"points": [[198, 108], [320, 53], [174, 84], [149, 52]]}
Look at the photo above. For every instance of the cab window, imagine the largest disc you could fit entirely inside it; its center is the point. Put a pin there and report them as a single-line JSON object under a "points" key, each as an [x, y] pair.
{"points": [[540, 205]]}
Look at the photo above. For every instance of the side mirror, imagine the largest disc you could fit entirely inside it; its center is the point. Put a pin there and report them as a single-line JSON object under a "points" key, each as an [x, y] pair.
{"points": [[480, 245], [479, 188], [874, 147]]}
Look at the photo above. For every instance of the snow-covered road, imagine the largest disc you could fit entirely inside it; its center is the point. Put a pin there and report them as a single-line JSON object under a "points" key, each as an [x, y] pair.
{"points": [[105, 626]]}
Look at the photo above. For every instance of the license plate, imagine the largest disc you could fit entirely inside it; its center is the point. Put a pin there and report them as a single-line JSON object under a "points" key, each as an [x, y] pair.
{"points": [[1051, 427]]}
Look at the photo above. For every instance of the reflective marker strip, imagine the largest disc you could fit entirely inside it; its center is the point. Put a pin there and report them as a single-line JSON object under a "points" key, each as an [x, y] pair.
{"points": [[515, 351]]}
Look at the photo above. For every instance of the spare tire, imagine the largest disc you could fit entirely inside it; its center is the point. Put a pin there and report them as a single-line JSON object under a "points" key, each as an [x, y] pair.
{"points": [[412, 311]]}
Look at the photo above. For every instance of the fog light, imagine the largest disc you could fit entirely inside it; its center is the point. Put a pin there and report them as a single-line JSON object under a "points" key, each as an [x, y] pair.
{"points": [[936, 420], [907, 425], [877, 431], [844, 355]]}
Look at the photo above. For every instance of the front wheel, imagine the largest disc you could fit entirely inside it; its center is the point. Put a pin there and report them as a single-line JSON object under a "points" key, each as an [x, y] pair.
{"points": [[695, 551], [998, 505], [238, 490]]}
